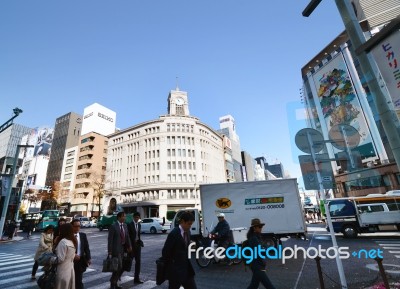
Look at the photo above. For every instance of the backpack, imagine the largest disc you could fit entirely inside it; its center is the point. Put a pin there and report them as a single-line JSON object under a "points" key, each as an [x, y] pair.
{"points": [[46, 258]]}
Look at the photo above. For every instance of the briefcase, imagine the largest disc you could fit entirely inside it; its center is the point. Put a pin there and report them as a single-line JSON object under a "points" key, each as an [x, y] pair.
{"points": [[110, 264], [127, 263], [161, 271]]}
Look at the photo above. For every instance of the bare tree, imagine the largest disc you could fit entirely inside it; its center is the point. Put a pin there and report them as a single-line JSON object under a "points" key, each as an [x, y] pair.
{"points": [[49, 196], [98, 186]]}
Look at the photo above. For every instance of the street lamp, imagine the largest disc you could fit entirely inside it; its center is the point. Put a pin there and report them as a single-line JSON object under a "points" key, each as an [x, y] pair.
{"points": [[10, 185]]}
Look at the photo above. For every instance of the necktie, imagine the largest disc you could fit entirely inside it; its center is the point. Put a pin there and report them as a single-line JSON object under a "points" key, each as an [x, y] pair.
{"points": [[76, 237], [122, 235], [137, 233]]}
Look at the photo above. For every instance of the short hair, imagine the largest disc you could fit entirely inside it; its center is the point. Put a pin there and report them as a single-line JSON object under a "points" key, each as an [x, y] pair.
{"points": [[120, 214], [75, 220], [186, 217], [49, 227], [136, 214]]}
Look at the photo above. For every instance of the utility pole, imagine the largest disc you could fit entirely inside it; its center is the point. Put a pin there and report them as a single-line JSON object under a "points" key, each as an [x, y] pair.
{"points": [[10, 185]]}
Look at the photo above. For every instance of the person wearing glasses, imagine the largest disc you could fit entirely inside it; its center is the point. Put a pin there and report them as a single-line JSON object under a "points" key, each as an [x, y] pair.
{"points": [[258, 264], [82, 258]]}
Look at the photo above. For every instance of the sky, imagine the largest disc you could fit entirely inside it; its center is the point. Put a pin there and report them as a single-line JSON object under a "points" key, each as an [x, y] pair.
{"points": [[236, 57]]}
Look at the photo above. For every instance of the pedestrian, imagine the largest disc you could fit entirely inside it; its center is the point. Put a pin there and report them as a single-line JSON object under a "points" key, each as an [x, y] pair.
{"points": [[45, 245], [30, 226], [65, 250], [11, 230], [60, 222], [179, 270], [5, 229], [82, 258], [258, 264], [118, 244], [134, 228]]}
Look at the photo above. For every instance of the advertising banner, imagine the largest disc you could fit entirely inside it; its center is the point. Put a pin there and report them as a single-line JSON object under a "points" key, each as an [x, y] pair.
{"points": [[387, 57], [338, 102]]}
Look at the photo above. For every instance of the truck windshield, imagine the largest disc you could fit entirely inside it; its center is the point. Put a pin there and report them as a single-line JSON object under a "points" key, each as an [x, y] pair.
{"points": [[341, 208]]}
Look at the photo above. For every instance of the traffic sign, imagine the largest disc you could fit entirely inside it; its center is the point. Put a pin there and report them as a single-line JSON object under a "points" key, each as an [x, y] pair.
{"points": [[308, 139], [309, 173]]}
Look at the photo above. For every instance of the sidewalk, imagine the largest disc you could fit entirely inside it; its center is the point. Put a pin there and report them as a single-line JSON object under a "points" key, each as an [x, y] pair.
{"points": [[16, 238]]}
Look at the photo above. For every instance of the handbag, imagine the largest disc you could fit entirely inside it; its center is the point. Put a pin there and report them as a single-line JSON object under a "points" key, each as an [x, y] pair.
{"points": [[127, 263], [48, 279], [161, 275], [110, 264]]}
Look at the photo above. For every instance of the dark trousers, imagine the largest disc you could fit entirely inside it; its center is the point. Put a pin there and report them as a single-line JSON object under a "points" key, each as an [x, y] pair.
{"points": [[78, 275], [116, 275], [260, 277], [189, 283], [34, 268], [137, 257]]}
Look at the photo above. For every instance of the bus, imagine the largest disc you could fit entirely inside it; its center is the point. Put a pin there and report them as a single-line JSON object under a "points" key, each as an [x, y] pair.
{"points": [[29, 218], [48, 217]]}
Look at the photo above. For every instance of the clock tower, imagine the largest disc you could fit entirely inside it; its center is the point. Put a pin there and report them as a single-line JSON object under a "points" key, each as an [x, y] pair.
{"points": [[178, 103]]}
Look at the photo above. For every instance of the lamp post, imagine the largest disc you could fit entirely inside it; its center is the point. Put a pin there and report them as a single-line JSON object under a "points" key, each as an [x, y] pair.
{"points": [[10, 185]]}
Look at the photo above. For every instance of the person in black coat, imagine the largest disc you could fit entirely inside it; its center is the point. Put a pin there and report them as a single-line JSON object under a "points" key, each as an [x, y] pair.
{"points": [[137, 244], [82, 257], [258, 264], [180, 271]]}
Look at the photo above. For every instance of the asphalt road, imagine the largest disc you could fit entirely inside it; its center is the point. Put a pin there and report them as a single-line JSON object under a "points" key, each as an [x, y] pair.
{"points": [[16, 260]]}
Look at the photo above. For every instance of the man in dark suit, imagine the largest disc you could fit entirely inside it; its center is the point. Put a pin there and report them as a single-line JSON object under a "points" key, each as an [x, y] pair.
{"points": [[82, 257], [180, 271], [118, 243], [134, 234]]}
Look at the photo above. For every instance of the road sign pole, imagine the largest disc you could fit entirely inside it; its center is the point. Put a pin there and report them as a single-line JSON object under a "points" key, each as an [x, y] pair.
{"points": [[328, 215], [348, 150]]}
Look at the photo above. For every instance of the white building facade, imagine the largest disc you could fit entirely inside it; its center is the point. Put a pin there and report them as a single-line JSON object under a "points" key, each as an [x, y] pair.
{"points": [[157, 166]]}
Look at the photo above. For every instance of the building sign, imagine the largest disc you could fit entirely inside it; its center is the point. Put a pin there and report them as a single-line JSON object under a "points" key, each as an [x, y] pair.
{"points": [[337, 102], [387, 57]]}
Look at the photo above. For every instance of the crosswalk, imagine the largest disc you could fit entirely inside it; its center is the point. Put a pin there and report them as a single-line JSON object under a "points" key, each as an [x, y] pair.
{"points": [[15, 273], [391, 246]]}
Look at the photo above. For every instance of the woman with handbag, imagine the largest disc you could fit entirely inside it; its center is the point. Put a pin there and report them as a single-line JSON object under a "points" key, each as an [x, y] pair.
{"points": [[45, 245], [65, 251]]}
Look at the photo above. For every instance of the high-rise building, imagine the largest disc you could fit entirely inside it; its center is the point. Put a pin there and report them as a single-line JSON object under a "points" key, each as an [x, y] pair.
{"points": [[67, 130], [9, 139], [157, 166], [233, 158], [337, 98], [91, 159]]}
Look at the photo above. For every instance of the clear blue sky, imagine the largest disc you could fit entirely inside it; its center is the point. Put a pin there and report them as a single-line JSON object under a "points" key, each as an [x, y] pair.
{"points": [[232, 57]]}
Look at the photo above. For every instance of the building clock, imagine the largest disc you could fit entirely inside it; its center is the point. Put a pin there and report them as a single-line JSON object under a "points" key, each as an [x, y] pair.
{"points": [[179, 101]]}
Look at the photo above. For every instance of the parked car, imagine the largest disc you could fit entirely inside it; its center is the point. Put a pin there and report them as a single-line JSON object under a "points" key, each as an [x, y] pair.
{"points": [[155, 225], [93, 223], [85, 222]]}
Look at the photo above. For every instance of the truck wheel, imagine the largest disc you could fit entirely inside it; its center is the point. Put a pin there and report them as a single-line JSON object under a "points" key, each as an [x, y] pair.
{"points": [[153, 230], [164, 231], [349, 232], [202, 261], [100, 228]]}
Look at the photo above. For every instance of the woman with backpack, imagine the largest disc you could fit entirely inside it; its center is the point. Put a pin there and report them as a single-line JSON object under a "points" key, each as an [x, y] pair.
{"points": [[45, 245], [258, 264]]}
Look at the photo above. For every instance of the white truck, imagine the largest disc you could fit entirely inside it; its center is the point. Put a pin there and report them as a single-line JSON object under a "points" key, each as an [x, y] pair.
{"points": [[277, 203]]}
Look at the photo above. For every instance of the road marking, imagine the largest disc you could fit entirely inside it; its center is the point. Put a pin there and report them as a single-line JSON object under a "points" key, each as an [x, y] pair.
{"points": [[389, 244], [386, 266], [16, 266], [394, 252], [106, 285], [16, 261], [391, 248]]}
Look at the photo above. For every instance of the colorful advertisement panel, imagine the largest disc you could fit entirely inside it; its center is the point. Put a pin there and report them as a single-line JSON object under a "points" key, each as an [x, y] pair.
{"points": [[41, 139], [387, 57], [338, 102]]}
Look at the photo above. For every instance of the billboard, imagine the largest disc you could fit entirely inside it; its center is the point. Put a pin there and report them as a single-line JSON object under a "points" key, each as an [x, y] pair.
{"points": [[337, 102], [41, 139], [387, 57]]}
